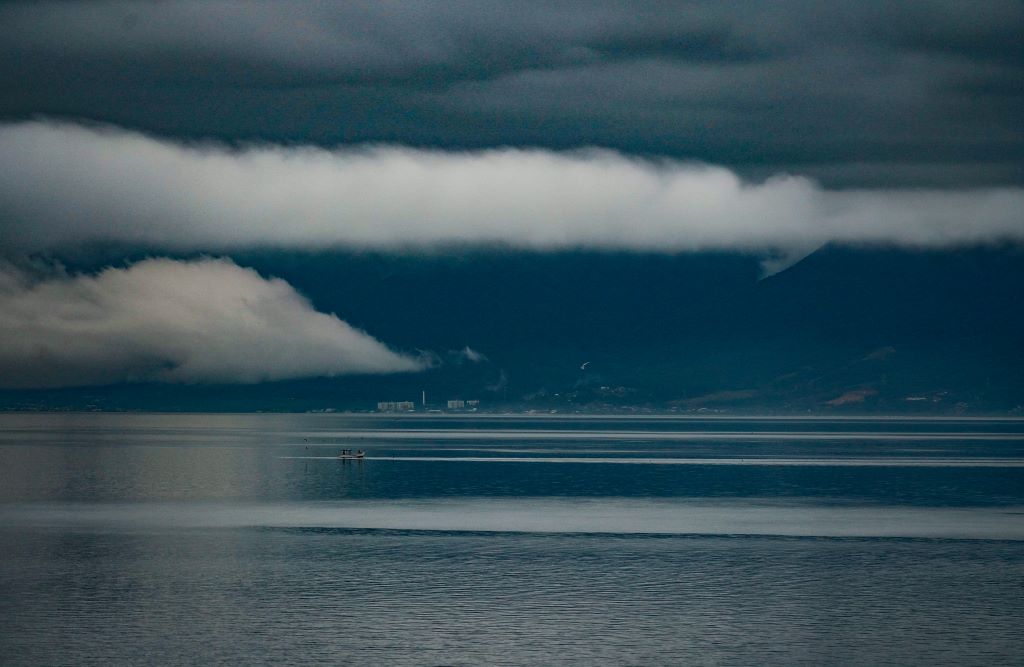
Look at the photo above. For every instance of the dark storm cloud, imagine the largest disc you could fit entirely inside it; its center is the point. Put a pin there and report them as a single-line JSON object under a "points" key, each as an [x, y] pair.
{"points": [[413, 43], [978, 31], [925, 93]]}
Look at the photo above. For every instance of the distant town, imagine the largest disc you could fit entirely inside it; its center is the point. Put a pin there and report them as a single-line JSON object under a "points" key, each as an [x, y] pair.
{"points": [[452, 404]]}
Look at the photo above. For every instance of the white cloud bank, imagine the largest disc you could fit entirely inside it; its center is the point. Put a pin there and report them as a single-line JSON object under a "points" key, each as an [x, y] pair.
{"points": [[63, 184], [171, 321]]}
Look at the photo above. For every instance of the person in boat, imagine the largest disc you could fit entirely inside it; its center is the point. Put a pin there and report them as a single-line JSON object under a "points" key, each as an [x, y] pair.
{"points": [[360, 453]]}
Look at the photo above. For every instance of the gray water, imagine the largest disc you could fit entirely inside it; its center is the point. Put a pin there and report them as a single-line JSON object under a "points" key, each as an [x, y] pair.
{"points": [[242, 539]]}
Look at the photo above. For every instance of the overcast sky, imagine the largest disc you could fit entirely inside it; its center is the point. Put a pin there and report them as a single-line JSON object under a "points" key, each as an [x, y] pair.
{"points": [[872, 93], [208, 127]]}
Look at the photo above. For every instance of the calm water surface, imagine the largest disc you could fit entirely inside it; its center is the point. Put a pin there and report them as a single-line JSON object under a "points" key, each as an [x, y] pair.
{"points": [[241, 539]]}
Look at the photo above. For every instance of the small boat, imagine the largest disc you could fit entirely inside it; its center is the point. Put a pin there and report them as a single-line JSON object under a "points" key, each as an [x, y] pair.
{"points": [[348, 454]]}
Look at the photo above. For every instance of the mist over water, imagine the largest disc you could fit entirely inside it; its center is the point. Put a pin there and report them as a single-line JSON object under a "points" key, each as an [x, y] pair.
{"points": [[243, 539]]}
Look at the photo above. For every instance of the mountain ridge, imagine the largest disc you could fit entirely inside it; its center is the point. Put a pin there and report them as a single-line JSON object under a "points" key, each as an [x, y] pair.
{"points": [[875, 329]]}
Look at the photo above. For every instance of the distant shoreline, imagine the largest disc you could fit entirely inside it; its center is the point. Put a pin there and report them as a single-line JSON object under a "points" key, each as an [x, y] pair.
{"points": [[547, 415]]}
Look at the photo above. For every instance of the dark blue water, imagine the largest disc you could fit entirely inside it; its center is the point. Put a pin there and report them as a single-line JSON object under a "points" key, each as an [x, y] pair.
{"points": [[241, 539]]}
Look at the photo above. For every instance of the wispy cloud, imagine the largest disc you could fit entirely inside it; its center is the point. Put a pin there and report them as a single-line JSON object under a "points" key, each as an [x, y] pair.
{"points": [[62, 184], [469, 354], [171, 321]]}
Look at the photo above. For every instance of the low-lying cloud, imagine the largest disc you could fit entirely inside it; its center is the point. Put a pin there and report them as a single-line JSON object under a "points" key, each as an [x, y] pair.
{"points": [[174, 321], [64, 184]]}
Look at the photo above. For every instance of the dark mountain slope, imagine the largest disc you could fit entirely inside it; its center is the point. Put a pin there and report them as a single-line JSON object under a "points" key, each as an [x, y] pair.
{"points": [[861, 329]]}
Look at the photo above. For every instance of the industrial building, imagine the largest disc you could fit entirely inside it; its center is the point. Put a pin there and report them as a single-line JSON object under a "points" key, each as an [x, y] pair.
{"points": [[395, 406]]}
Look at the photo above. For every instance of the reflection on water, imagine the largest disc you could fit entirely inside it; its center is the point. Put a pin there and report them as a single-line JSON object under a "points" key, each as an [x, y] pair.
{"points": [[133, 539], [337, 597], [751, 516]]}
